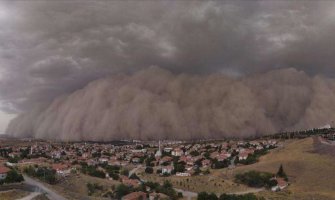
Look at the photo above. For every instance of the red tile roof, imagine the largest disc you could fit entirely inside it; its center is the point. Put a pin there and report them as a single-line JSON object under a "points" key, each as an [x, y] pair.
{"points": [[4, 170], [59, 167]]}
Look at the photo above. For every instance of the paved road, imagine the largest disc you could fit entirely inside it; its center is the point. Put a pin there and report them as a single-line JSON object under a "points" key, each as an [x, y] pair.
{"points": [[30, 196], [50, 194], [255, 190]]}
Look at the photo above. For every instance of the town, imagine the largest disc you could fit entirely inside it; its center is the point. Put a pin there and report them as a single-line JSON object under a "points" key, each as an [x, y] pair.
{"points": [[132, 165]]}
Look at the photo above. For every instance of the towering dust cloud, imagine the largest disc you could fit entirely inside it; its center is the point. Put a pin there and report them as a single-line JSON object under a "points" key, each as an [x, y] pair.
{"points": [[82, 70], [156, 104]]}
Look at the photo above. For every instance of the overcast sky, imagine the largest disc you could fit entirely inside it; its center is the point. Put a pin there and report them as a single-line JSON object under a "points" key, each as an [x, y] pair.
{"points": [[48, 49]]}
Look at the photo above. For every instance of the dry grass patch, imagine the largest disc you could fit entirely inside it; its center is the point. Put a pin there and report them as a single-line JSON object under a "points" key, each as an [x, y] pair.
{"points": [[13, 194], [75, 186], [197, 184], [311, 175]]}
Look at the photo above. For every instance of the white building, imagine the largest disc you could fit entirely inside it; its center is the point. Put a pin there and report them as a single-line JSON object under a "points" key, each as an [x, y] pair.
{"points": [[177, 152], [167, 169]]}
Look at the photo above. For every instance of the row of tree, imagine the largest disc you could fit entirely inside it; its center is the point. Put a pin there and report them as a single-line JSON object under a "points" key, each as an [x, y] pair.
{"points": [[43, 173], [212, 196]]}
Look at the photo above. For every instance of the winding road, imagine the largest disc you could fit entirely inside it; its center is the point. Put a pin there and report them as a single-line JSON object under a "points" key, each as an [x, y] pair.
{"points": [[49, 193]]}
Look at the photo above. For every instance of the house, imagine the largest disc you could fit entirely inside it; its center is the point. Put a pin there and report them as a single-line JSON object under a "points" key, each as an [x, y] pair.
{"points": [[103, 160], [281, 184], [214, 155], [259, 147], [222, 157], [167, 169], [135, 196], [243, 155], [206, 163], [177, 152], [136, 160], [61, 169], [167, 149], [190, 163], [184, 159], [226, 153], [165, 159], [189, 167], [3, 172], [183, 174], [130, 182]]}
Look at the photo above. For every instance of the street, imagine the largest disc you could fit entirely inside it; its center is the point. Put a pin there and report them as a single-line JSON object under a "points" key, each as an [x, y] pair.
{"points": [[49, 193]]}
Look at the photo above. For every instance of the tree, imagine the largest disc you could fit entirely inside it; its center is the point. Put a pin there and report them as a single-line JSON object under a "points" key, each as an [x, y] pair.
{"points": [[14, 159], [148, 161], [121, 190], [124, 172], [202, 196], [43, 173], [134, 176], [96, 155], [114, 176], [180, 195], [194, 153], [239, 197], [92, 171], [30, 170], [206, 196], [179, 167], [272, 182], [149, 170], [152, 185], [212, 196], [281, 172], [13, 177], [254, 178], [92, 188], [167, 184], [167, 189]]}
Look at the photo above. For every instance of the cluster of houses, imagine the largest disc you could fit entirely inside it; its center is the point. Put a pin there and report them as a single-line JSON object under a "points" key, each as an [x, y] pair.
{"points": [[64, 157], [202, 155]]}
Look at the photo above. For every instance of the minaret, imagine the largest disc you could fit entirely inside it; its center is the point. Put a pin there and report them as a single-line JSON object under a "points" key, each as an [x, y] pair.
{"points": [[159, 152]]}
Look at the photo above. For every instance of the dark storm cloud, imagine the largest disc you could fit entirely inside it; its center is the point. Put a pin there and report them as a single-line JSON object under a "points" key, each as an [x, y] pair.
{"points": [[53, 48]]}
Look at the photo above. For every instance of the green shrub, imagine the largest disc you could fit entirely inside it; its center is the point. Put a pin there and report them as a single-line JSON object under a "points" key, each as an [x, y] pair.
{"points": [[254, 178], [13, 176], [149, 170]]}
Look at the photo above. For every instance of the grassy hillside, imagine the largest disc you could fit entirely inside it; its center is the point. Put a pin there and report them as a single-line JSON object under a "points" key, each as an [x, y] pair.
{"points": [[312, 175]]}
